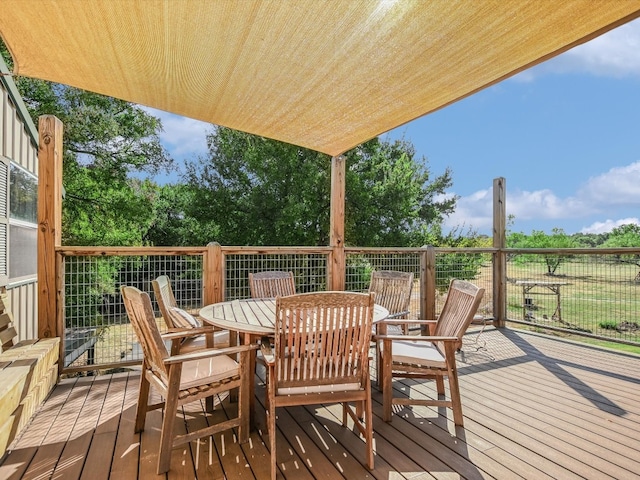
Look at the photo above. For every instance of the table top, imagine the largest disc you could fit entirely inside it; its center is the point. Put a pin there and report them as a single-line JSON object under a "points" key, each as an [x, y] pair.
{"points": [[254, 315], [542, 283]]}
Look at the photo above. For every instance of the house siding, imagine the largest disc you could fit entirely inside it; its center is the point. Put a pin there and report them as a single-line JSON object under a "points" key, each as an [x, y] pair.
{"points": [[18, 144]]}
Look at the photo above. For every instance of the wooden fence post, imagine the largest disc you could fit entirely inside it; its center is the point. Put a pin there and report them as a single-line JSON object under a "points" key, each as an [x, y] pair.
{"points": [[337, 263], [213, 274], [428, 284], [50, 146], [500, 257]]}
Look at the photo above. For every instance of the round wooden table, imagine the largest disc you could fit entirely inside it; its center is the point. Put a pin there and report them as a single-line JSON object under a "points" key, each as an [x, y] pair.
{"points": [[253, 318]]}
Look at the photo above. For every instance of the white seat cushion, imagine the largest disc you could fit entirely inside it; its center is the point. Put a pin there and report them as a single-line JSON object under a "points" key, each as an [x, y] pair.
{"points": [[417, 353], [220, 340], [342, 387], [209, 370], [183, 318], [392, 329]]}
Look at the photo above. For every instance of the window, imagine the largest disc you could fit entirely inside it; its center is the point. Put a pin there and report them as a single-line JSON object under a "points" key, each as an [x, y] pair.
{"points": [[4, 220], [23, 192], [23, 224]]}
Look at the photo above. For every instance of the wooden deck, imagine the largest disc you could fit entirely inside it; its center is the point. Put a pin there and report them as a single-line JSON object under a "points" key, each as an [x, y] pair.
{"points": [[534, 407]]}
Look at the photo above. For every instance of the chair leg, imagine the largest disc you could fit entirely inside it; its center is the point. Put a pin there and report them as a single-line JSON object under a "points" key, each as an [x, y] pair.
{"points": [[271, 419], [244, 402], [169, 418], [440, 385], [368, 418], [143, 401], [378, 366], [271, 425], [387, 387], [454, 387]]}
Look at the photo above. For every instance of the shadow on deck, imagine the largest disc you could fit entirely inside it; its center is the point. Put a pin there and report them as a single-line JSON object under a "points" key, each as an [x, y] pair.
{"points": [[534, 407]]}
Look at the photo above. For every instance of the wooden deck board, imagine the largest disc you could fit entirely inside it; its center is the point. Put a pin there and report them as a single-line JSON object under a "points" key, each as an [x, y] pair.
{"points": [[535, 408]]}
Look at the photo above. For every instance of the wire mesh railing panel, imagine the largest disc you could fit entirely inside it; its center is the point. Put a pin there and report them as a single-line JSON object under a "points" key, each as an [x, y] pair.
{"points": [[97, 329], [586, 292], [309, 271], [593, 295], [360, 265], [473, 267]]}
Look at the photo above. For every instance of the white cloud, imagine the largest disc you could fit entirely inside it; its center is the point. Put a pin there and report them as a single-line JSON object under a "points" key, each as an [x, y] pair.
{"points": [[183, 137], [614, 54], [618, 187], [474, 211], [608, 225]]}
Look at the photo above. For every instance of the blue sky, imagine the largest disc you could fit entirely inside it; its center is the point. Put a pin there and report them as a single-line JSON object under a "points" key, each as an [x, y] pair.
{"points": [[565, 135]]}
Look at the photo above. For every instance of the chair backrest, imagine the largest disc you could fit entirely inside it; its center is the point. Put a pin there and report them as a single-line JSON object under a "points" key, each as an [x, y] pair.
{"points": [[322, 338], [165, 298], [173, 316], [143, 321], [271, 284], [463, 300], [393, 290]]}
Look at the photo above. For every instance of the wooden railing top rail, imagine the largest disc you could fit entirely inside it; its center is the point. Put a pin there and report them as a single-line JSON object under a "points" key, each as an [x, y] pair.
{"points": [[576, 251], [253, 250], [102, 251], [420, 249], [228, 250]]}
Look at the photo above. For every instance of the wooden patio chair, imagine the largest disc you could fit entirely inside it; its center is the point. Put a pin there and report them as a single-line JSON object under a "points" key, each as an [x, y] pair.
{"points": [[430, 356], [176, 318], [321, 355], [184, 378], [393, 292], [271, 284]]}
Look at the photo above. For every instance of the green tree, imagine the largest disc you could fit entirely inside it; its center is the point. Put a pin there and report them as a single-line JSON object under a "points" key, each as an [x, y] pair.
{"points": [[462, 266], [589, 240], [257, 191], [171, 226], [106, 141], [539, 239], [627, 235]]}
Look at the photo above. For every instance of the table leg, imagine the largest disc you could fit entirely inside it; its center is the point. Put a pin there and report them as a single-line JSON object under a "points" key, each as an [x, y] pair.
{"points": [[247, 339]]}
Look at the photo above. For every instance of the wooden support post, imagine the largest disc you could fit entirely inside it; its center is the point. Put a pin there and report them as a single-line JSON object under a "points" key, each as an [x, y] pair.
{"points": [[337, 265], [428, 285], [500, 257], [213, 275], [50, 131]]}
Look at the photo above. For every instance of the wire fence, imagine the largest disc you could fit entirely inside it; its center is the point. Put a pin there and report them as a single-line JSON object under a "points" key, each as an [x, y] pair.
{"points": [[97, 329], [309, 271], [589, 295], [578, 294]]}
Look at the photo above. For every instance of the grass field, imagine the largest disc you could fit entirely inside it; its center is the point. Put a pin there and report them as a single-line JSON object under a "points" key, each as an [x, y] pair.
{"points": [[597, 297]]}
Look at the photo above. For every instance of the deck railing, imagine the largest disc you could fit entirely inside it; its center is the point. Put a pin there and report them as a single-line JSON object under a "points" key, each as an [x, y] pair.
{"points": [[593, 292]]}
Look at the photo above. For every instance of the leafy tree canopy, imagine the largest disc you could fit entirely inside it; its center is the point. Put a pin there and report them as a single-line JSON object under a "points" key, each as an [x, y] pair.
{"points": [[105, 141], [539, 239], [624, 236], [256, 191]]}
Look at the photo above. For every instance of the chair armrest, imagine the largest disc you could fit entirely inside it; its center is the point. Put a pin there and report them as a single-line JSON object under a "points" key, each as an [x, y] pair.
{"points": [[186, 332], [208, 353], [267, 351], [415, 322], [398, 314], [411, 338]]}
